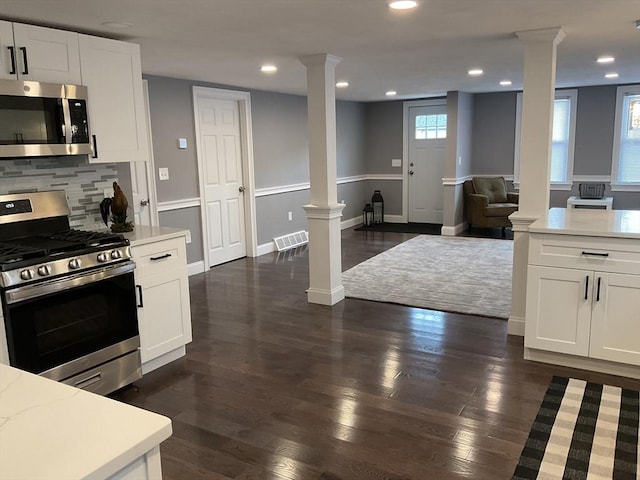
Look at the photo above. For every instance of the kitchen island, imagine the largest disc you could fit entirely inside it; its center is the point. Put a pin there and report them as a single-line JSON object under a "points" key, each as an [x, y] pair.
{"points": [[583, 290], [49, 430]]}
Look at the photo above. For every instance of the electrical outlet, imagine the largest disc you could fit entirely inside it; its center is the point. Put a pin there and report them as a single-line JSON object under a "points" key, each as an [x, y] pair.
{"points": [[188, 237], [163, 173], [290, 216]]}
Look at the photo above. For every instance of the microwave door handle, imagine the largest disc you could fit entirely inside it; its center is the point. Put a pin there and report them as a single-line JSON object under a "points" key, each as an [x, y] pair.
{"points": [[12, 54], [67, 132]]}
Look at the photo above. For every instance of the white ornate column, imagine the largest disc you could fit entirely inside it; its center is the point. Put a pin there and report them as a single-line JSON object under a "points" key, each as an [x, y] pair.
{"points": [[540, 49], [324, 212]]}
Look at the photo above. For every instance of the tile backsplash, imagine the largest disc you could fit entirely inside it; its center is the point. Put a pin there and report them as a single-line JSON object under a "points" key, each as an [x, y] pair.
{"points": [[83, 182]]}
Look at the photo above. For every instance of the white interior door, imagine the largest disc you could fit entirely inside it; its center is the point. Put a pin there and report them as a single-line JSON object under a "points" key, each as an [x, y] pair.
{"points": [[145, 210], [427, 139], [220, 160]]}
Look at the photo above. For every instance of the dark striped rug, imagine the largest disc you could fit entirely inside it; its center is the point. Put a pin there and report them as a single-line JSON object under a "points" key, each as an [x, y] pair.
{"points": [[583, 431]]}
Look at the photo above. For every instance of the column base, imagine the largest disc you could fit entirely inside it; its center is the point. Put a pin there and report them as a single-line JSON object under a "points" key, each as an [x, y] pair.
{"points": [[325, 297]]}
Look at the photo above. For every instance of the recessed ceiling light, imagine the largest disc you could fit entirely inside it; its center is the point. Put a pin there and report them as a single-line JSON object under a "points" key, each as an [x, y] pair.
{"points": [[403, 4], [342, 84], [391, 93], [611, 75], [118, 25], [268, 69], [607, 59], [475, 72], [505, 83]]}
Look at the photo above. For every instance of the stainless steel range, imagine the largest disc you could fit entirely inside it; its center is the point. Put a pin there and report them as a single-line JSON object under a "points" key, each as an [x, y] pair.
{"points": [[68, 296]]}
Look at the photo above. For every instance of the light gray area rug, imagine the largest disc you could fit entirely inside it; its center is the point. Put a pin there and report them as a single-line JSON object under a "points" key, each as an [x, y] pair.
{"points": [[450, 274]]}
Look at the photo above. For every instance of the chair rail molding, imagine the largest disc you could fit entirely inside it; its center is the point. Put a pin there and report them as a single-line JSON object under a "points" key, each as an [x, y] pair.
{"points": [[178, 204], [296, 187]]}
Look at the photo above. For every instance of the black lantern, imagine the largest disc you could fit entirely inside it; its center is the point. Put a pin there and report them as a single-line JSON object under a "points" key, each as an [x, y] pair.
{"points": [[367, 215], [378, 207]]}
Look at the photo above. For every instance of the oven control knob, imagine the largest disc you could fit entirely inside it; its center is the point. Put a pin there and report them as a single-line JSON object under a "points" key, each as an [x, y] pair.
{"points": [[102, 257], [75, 263], [26, 274], [44, 270], [116, 254]]}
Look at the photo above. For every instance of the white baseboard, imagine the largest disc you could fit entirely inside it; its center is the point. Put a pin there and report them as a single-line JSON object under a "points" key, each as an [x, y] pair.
{"points": [[393, 219], [515, 326], [195, 268], [453, 231], [265, 248], [351, 222]]}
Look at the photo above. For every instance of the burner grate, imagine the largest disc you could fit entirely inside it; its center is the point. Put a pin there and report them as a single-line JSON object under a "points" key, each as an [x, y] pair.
{"points": [[10, 252], [86, 238]]}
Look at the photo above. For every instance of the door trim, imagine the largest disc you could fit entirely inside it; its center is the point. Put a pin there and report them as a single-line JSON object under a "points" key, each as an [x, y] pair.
{"points": [[405, 147], [246, 149]]}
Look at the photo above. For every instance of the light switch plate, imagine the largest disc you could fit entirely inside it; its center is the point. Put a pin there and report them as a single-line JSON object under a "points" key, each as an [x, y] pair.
{"points": [[396, 162], [188, 237], [182, 143], [163, 173]]}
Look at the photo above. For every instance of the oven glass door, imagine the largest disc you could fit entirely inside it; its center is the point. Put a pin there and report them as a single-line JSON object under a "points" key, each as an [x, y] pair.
{"points": [[49, 330]]}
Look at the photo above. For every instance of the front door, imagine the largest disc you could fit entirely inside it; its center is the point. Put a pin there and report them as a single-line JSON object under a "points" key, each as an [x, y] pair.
{"points": [[220, 160], [427, 139]]}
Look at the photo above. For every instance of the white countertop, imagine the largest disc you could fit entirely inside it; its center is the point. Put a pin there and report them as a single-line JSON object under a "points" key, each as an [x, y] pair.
{"points": [[596, 223], [145, 234], [49, 430]]}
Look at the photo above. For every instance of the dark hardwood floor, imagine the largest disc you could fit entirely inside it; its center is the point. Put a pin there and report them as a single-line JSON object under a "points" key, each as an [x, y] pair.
{"points": [[273, 387]]}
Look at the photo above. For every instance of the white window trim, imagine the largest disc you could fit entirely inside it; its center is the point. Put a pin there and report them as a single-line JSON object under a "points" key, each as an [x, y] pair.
{"points": [[573, 96], [617, 186]]}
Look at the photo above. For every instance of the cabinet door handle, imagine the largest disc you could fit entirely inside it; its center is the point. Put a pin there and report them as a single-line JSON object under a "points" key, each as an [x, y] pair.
{"points": [[586, 289], [95, 146], [26, 62], [166, 255], [12, 54], [140, 302], [596, 254], [598, 290]]}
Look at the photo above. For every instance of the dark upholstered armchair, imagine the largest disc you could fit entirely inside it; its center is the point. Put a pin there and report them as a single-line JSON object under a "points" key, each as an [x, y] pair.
{"points": [[487, 202]]}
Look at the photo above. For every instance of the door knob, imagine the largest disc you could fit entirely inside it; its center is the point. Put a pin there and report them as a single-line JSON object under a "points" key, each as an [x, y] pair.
{"points": [[410, 172], [144, 203], [241, 189]]}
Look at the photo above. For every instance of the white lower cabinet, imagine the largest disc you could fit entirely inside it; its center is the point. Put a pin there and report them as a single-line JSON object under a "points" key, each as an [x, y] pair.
{"points": [[164, 315], [591, 310]]}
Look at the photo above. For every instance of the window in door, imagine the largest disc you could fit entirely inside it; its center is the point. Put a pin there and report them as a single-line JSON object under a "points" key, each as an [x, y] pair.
{"points": [[562, 139], [431, 126], [626, 147]]}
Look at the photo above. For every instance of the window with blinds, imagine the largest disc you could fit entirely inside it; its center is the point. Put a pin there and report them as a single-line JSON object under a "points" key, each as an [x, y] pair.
{"points": [[626, 155]]}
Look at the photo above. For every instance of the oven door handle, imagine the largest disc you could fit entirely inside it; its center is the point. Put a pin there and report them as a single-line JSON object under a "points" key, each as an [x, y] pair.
{"points": [[37, 290]]}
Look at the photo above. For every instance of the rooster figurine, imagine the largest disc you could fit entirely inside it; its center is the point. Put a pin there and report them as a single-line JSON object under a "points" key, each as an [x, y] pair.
{"points": [[117, 206]]}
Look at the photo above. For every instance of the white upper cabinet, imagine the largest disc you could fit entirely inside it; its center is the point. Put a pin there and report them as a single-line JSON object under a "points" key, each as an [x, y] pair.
{"points": [[111, 71], [38, 54]]}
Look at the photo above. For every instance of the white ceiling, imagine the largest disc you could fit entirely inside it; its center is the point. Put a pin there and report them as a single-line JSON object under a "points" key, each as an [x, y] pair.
{"points": [[421, 53]]}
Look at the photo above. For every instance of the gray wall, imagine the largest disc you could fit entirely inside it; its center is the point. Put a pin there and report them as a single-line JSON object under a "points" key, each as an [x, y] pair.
{"points": [[494, 139], [281, 155], [189, 219], [494, 133], [383, 136]]}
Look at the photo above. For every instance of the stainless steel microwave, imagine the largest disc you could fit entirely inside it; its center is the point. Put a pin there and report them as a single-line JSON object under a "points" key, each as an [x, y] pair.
{"points": [[43, 119]]}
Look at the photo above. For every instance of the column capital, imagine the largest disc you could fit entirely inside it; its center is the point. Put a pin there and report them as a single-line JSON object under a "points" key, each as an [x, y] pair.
{"points": [[542, 35], [320, 59]]}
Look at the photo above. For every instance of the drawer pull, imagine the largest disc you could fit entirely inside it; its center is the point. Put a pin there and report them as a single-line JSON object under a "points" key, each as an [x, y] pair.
{"points": [[166, 255], [595, 254], [598, 290], [586, 288]]}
